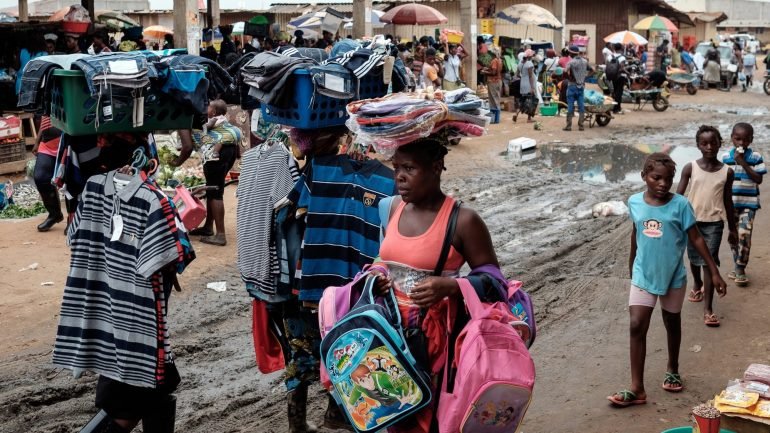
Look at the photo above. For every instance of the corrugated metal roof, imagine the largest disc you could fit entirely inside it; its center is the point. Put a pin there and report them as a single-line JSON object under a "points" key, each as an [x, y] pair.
{"points": [[708, 17], [299, 9]]}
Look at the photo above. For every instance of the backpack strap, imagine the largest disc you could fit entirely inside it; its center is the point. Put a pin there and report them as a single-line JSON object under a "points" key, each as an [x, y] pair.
{"points": [[450, 231]]}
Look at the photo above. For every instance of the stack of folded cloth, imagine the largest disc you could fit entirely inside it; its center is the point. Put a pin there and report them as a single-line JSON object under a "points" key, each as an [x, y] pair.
{"points": [[268, 76], [401, 118]]}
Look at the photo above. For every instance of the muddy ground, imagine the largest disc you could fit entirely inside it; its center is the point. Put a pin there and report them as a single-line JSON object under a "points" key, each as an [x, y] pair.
{"points": [[538, 210]]}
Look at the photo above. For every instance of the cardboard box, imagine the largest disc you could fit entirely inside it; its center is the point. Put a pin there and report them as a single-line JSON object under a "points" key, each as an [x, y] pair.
{"points": [[745, 423], [10, 127]]}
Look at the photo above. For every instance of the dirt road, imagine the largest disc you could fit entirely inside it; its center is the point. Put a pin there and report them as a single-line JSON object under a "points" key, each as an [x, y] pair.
{"points": [[538, 211]]}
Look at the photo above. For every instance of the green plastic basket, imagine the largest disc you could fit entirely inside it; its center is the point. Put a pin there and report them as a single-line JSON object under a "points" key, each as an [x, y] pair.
{"points": [[549, 110], [73, 109]]}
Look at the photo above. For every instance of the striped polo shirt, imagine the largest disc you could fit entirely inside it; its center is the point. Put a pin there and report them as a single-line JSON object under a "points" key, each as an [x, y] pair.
{"points": [[745, 190], [343, 223], [113, 313]]}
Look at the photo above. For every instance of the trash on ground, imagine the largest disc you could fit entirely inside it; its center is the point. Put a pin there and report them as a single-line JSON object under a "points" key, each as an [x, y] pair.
{"points": [[31, 267], [609, 208], [217, 286]]}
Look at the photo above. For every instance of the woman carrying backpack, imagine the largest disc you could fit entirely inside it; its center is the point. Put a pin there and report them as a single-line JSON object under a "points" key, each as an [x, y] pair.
{"points": [[414, 234]]}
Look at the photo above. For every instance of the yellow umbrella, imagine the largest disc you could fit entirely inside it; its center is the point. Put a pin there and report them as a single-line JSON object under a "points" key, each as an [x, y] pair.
{"points": [[157, 32]]}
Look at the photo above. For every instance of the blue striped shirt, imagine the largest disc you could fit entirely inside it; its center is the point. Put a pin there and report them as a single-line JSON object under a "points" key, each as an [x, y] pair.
{"points": [[745, 190], [343, 222]]}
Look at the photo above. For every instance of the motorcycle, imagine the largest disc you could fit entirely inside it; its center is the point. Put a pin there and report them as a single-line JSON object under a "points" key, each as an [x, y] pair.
{"points": [[767, 83]]}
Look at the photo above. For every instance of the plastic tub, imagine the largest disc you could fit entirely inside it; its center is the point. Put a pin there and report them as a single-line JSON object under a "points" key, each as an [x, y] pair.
{"points": [[688, 429], [549, 110], [75, 27], [325, 111], [73, 109]]}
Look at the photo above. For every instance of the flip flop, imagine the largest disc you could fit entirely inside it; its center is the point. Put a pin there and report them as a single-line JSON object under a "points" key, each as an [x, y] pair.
{"points": [[731, 275], [673, 382], [741, 280], [695, 296], [627, 398], [711, 320], [201, 231]]}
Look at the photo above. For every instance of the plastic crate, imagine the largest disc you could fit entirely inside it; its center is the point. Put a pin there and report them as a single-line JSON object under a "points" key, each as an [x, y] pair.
{"points": [[73, 109], [549, 110], [12, 151], [325, 111]]}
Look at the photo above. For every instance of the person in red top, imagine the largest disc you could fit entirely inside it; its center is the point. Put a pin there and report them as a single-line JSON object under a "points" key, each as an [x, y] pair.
{"points": [[46, 146]]}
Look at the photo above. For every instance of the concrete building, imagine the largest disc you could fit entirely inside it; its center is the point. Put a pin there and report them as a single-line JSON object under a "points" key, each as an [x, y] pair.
{"points": [[743, 16], [48, 7]]}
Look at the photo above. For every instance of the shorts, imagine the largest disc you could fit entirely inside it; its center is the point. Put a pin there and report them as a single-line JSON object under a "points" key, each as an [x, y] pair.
{"points": [[123, 401], [712, 235], [216, 171], [671, 302]]}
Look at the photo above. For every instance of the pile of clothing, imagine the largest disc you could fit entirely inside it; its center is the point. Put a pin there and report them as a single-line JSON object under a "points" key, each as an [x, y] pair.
{"points": [[189, 80], [268, 75], [397, 119]]}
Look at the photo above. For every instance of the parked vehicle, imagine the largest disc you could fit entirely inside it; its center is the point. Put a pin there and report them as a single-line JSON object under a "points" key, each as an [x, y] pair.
{"points": [[727, 62], [767, 83]]}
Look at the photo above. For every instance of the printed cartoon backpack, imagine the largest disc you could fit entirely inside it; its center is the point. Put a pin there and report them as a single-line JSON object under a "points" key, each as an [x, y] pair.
{"points": [[372, 372], [495, 374], [523, 312]]}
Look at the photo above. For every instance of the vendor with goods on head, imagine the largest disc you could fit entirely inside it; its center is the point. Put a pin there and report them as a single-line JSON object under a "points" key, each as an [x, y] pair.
{"points": [[219, 147]]}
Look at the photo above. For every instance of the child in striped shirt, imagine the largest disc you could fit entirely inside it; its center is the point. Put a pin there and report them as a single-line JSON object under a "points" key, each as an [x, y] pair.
{"points": [[749, 167]]}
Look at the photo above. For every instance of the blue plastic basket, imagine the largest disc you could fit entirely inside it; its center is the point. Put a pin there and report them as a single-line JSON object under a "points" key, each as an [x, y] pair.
{"points": [[325, 111]]}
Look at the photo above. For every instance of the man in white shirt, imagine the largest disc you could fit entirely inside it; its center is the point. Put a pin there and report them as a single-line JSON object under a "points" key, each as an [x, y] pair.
{"points": [[607, 52]]}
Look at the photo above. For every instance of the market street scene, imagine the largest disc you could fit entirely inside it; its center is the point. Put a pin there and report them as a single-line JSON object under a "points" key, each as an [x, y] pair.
{"points": [[473, 216]]}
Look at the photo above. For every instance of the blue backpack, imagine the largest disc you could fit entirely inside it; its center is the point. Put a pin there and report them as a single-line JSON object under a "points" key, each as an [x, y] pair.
{"points": [[373, 374]]}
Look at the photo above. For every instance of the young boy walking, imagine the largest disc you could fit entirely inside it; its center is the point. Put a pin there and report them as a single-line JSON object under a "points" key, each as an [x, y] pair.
{"points": [[749, 168], [711, 196]]}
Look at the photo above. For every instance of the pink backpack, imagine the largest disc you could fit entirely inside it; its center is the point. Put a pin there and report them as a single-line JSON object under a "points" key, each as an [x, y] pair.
{"points": [[495, 373]]}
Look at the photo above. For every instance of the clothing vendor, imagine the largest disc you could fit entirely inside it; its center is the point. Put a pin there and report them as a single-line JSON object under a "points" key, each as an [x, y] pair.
{"points": [[414, 234], [114, 323]]}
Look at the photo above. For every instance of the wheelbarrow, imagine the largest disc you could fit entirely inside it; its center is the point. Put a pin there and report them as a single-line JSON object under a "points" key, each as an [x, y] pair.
{"points": [[690, 82]]}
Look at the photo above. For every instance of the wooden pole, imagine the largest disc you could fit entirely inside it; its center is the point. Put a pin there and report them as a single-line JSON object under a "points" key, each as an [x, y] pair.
{"points": [[23, 11]]}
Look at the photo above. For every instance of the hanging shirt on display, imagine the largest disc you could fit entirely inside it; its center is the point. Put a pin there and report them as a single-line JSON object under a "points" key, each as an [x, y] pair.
{"points": [[113, 314], [268, 173], [341, 196]]}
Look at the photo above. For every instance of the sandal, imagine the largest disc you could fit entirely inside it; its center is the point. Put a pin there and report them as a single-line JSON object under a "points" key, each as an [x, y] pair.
{"points": [[711, 320], [673, 382], [627, 398], [202, 231], [741, 280], [731, 275], [695, 295]]}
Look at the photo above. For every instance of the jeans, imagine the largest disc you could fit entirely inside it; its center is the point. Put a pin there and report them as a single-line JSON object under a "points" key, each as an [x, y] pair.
{"points": [[44, 166], [575, 94], [617, 92], [35, 93], [99, 68]]}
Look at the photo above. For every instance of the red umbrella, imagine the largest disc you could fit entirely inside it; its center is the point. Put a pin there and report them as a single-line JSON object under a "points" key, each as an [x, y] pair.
{"points": [[414, 14]]}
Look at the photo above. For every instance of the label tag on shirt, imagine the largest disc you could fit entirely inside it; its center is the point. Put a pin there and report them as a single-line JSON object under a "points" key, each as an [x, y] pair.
{"points": [[117, 227]]}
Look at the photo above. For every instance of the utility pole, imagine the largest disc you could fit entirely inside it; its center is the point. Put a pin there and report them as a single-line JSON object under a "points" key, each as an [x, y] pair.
{"points": [[362, 18], [469, 26]]}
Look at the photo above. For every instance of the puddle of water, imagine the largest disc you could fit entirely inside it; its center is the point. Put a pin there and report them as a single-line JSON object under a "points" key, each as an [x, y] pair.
{"points": [[606, 163], [739, 111]]}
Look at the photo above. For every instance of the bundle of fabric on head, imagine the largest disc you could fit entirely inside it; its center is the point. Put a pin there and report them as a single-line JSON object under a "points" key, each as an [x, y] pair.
{"points": [[401, 118]]}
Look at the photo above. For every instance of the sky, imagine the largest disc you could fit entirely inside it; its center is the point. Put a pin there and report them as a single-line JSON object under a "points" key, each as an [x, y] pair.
{"points": [[168, 4]]}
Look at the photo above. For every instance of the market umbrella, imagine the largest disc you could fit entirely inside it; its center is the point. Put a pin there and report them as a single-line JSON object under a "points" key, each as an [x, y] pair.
{"points": [[626, 37], [414, 14], [327, 19], [115, 21], [529, 14], [376, 23], [656, 23], [238, 28], [157, 32]]}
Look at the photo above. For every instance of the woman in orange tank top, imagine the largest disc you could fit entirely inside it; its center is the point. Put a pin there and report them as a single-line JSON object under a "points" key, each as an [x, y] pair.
{"points": [[410, 250]]}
